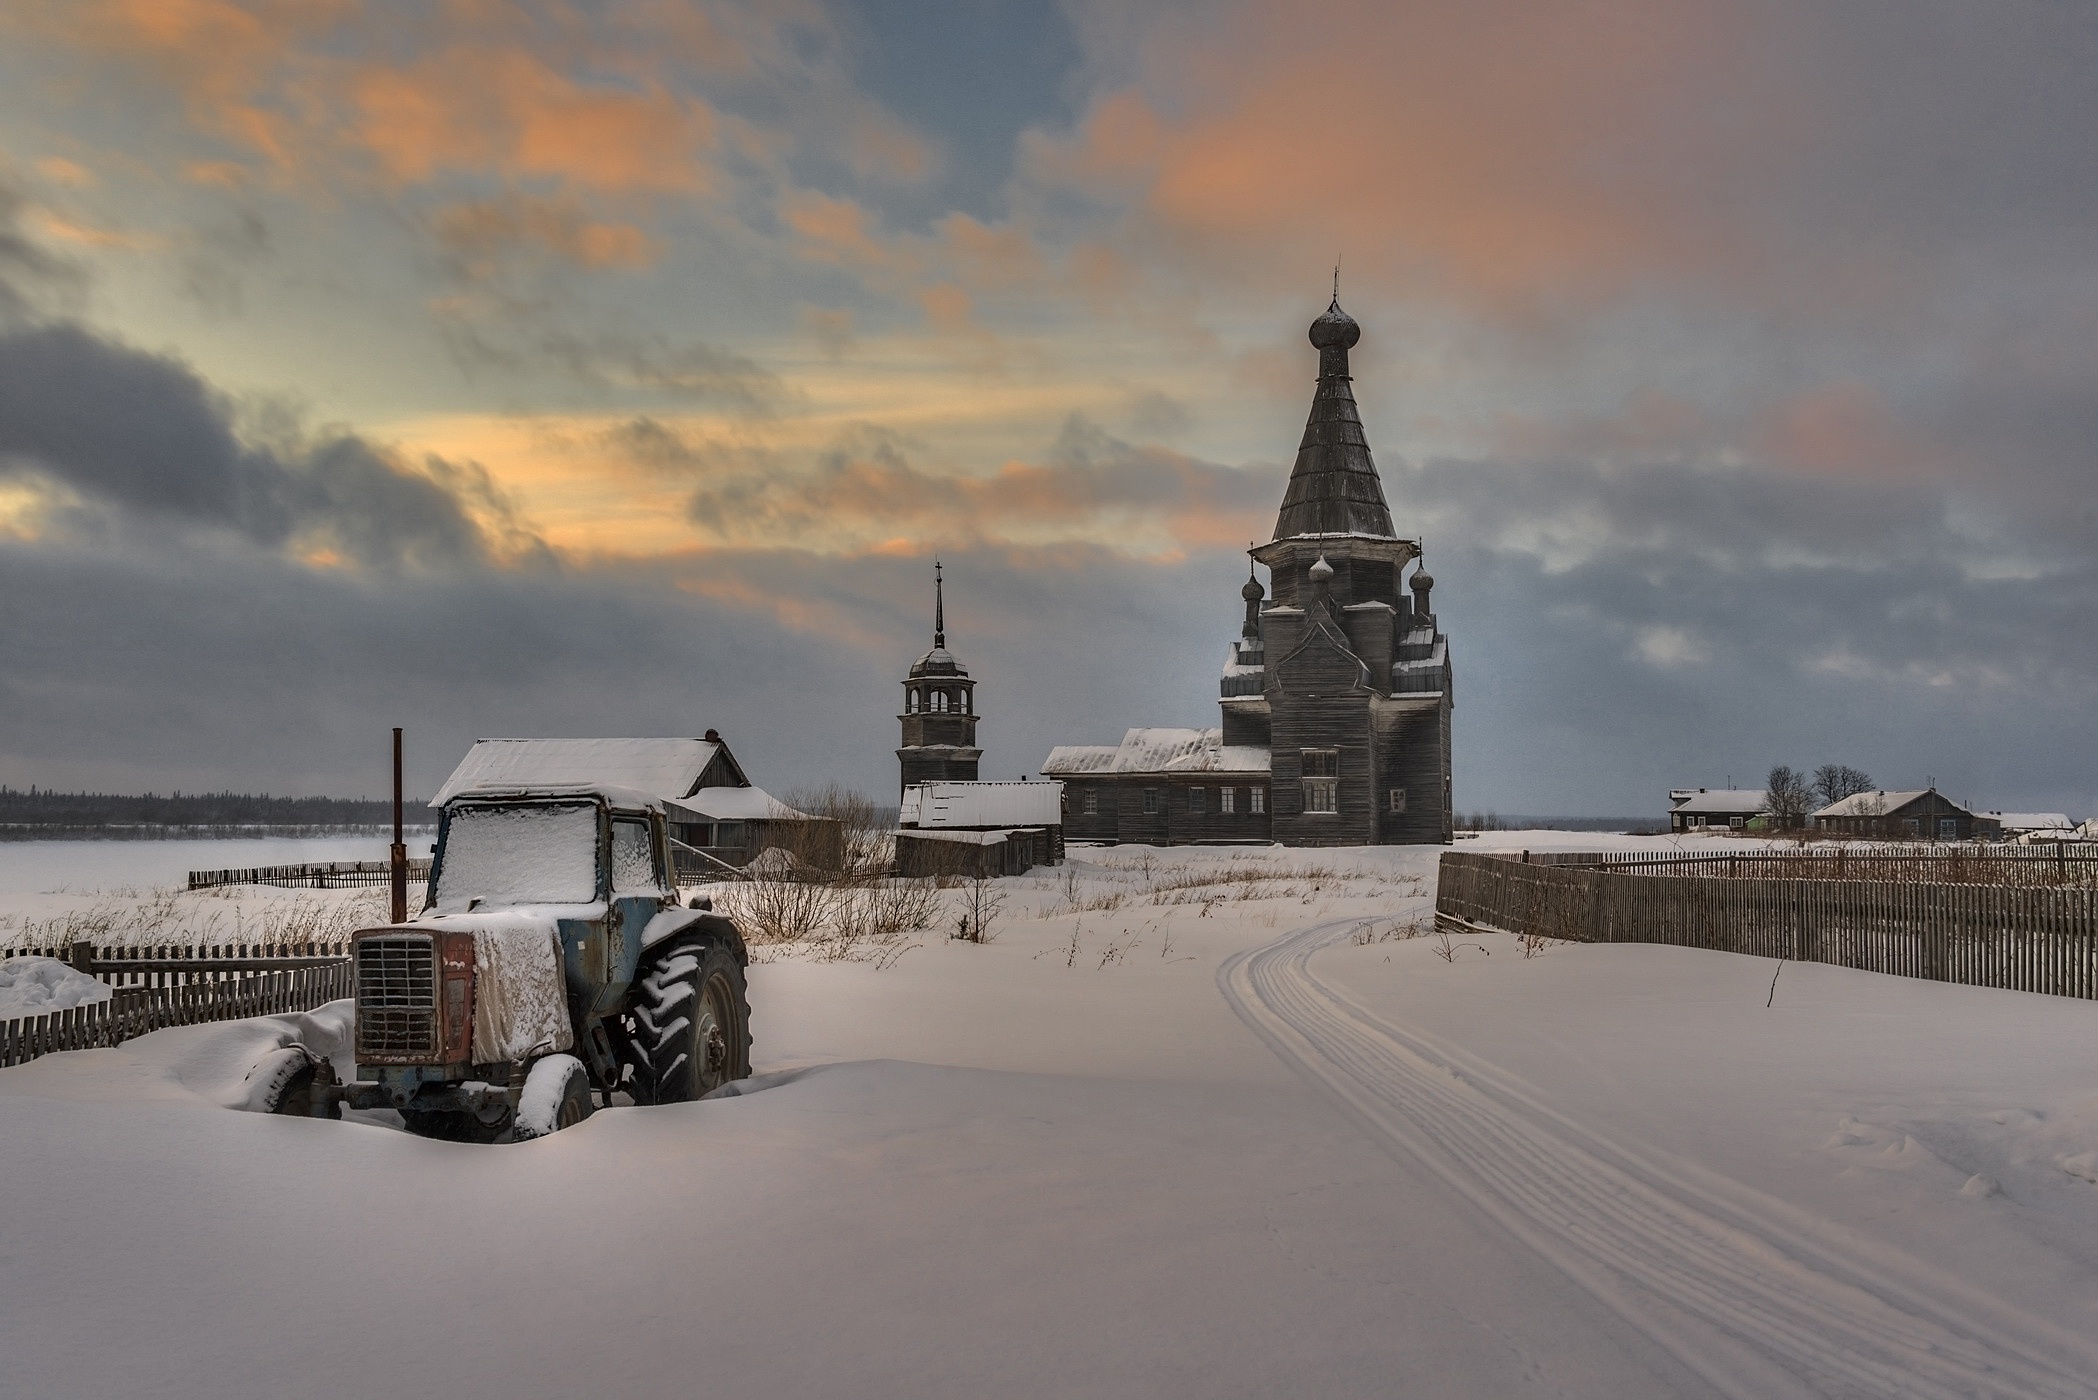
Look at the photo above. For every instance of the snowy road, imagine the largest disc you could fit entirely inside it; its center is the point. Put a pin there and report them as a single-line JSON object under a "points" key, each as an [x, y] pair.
{"points": [[1058, 1165], [1751, 1295]]}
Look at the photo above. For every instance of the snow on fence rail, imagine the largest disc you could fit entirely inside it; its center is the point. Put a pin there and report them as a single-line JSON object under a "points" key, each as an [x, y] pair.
{"points": [[2025, 938], [320, 875], [157, 987]]}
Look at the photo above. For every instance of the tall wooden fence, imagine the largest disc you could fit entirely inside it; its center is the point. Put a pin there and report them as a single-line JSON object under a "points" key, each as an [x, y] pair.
{"points": [[152, 988], [2020, 937], [317, 875], [2056, 863]]}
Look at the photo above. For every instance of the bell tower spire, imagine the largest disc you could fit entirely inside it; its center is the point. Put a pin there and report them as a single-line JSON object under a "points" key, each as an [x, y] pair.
{"points": [[939, 606]]}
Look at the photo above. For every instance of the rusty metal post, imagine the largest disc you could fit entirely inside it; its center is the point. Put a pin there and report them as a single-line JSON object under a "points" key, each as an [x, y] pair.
{"points": [[399, 852]]}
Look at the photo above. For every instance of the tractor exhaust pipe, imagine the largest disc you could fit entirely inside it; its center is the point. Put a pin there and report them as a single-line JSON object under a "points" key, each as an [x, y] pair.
{"points": [[399, 853]]}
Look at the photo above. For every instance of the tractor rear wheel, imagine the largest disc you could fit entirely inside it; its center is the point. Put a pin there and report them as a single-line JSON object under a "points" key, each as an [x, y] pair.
{"points": [[691, 1024]]}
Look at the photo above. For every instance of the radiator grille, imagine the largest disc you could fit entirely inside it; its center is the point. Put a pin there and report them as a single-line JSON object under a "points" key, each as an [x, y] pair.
{"points": [[396, 996]]}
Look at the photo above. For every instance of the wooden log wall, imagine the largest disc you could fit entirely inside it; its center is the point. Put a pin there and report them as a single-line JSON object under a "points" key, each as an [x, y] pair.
{"points": [[2018, 937]]}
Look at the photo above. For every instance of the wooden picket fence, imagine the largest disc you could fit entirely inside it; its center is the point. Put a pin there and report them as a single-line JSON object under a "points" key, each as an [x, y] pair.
{"points": [[154, 988], [315, 875], [2020, 937]]}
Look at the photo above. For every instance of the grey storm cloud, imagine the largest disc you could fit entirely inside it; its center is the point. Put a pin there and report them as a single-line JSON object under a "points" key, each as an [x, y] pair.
{"points": [[144, 434]]}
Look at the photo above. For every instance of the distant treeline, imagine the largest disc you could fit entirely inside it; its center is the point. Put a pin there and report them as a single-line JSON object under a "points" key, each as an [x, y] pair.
{"points": [[93, 811]]}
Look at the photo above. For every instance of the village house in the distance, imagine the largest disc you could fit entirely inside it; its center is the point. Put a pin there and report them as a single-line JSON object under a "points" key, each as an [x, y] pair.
{"points": [[1336, 697]]}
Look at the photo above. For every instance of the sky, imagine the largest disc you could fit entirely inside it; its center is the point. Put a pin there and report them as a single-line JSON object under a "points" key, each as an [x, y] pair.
{"points": [[598, 369]]}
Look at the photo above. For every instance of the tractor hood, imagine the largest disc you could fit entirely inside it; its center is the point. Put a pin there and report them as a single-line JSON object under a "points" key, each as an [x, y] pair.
{"points": [[520, 996]]}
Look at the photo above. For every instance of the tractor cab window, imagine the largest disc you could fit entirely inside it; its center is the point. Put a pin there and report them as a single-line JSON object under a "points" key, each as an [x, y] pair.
{"points": [[525, 853], [633, 858]]}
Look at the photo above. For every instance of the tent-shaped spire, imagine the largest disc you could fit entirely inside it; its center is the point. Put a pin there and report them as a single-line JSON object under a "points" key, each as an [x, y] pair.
{"points": [[1333, 489]]}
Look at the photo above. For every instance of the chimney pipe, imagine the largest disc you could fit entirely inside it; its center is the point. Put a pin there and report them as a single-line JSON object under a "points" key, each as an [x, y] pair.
{"points": [[399, 853]]}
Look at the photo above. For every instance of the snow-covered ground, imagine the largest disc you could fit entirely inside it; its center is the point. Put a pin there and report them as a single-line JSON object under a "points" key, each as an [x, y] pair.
{"points": [[1195, 1123]]}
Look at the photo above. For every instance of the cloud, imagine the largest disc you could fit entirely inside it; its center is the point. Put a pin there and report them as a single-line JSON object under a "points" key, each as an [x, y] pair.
{"points": [[141, 436], [864, 493], [485, 234]]}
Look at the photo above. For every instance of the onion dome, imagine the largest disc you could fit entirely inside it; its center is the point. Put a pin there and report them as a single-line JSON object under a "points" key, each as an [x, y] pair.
{"points": [[1335, 330], [1423, 581], [1252, 592], [1321, 571]]}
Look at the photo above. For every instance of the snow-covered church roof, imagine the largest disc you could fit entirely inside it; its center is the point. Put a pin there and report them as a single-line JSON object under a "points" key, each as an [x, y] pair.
{"points": [[1157, 750]]}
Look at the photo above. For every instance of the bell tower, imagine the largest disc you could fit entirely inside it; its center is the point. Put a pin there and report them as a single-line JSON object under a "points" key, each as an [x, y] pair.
{"points": [[939, 708]]}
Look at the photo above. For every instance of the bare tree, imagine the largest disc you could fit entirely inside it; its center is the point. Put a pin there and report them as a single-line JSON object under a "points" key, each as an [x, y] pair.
{"points": [[1835, 781], [1789, 797]]}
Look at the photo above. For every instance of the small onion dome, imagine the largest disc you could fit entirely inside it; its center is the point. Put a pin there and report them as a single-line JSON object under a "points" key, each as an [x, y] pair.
{"points": [[1252, 592], [1335, 330], [1423, 581], [1321, 571]]}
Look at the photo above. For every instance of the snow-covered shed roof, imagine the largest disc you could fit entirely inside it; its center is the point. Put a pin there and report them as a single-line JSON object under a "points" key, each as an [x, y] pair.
{"points": [[1158, 750], [1872, 804], [733, 804], [664, 768], [2031, 821], [992, 804], [1721, 800]]}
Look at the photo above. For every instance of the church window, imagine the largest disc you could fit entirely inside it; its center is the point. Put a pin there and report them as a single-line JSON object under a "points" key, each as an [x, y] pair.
{"points": [[1398, 799], [1197, 800], [1092, 802], [1321, 780], [1150, 802], [1258, 800], [1225, 800]]}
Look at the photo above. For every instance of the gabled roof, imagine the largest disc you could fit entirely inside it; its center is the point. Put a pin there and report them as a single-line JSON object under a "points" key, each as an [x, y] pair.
{"points": [[1707, 801], [1157, 750], [662, 768], [1878, 803]]}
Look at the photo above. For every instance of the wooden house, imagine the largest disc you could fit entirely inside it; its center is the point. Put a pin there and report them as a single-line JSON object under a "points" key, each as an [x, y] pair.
{"points": [[1701, 809], [1917, 815], [716, 816]]}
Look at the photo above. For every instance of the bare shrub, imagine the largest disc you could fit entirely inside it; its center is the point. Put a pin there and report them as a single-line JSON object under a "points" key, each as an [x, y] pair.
{"points": [[1446, 947], [981, 903], [781, 903]]}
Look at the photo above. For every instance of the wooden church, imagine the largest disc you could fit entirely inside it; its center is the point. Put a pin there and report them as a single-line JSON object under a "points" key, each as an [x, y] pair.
{"points": [[1336, 696]]}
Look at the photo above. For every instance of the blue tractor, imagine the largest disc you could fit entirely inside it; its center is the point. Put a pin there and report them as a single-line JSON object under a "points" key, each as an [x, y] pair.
{"points": [[552, 962]]}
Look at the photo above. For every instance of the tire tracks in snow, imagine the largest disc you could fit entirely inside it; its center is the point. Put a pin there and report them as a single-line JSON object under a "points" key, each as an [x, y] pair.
{"points": [[1755, 1297]]}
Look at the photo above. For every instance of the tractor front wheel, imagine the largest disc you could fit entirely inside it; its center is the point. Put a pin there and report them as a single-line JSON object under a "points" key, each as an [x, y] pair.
{"points": [[556, 1096], [691, 1020]]}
